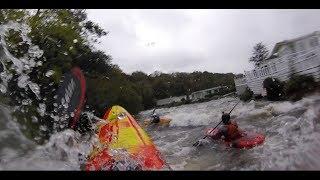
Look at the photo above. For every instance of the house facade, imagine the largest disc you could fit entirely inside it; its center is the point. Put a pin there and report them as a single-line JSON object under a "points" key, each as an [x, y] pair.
{"points": [[170, 100], [197, 95], [240, 84], [299, 56]]}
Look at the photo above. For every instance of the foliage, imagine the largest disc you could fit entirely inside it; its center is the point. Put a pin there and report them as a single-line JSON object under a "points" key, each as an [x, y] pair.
{"points": [[259, 53], [298, 86], [274, 88], [67, 39], [246, 95]]}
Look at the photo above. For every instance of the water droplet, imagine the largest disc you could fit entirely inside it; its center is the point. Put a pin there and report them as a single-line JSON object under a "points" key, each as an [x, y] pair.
{"points": [[42, 109], [35, 89], [39, 63], [49, 73], [65, 105], [26, 101], [3, 89], [34, 119], [43, 128]]}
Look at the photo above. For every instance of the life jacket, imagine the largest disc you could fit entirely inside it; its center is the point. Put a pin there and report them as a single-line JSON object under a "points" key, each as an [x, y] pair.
{"points": [[232, 132]]}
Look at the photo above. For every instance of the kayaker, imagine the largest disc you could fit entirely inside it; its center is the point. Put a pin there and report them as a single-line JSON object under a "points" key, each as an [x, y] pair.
{"points": [[229, 131], [155, 118]]}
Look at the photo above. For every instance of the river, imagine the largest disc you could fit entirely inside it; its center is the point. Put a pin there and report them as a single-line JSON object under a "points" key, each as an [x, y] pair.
{"points": [[291, 130]]}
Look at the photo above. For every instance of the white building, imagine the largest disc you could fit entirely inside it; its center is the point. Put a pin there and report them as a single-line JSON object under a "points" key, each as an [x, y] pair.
{"points": [[203, 93], [170, 100], [299, 56], [240, 84]]}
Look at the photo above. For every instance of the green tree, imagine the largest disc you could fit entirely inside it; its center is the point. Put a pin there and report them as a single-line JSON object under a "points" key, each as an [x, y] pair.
{"points": [[259, 54]]}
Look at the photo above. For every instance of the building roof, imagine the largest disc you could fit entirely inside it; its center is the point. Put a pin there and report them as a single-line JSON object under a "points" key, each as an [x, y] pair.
{"points": [[275, 50], [217, 87], [239, 76]]}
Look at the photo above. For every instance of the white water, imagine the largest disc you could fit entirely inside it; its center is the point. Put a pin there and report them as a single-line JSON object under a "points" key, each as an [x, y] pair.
{"points": [[291, 131]]}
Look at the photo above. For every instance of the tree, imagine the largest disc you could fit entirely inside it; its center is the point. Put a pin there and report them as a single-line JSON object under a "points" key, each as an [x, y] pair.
{"points": [[259, 53], [298, 86], [274, 88], [63, 36], [66, 38]]}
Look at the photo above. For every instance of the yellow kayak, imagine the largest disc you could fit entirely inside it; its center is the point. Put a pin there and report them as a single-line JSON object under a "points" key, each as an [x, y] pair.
{"points": [[120, 131], [163, 122]]}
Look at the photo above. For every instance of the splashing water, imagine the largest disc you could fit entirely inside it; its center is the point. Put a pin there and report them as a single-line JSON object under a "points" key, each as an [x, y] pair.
{"points": [[291, 130], [22, 66], [291, 139]]}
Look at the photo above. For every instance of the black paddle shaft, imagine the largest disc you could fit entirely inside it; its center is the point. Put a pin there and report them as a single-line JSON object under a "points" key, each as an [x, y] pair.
{"points": [[234, 107], [221, 120]]}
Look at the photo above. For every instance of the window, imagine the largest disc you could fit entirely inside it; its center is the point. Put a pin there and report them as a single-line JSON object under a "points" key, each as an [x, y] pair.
{"points": [[267, 70], [300, 46], [314, 42], [274, 68], [262, 71], [254, 73]]}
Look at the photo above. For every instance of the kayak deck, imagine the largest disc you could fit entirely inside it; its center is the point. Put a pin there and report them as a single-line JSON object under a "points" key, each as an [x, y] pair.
{"points": [[121, 132], [247, 140], [163, 122]]}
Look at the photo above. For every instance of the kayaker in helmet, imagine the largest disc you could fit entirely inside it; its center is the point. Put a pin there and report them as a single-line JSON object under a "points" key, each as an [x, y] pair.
{"points": [[155, 118], [229, 131]]}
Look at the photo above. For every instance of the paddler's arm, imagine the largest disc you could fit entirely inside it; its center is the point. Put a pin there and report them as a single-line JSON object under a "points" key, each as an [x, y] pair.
{"points": [[219, 133], [223, 131]]}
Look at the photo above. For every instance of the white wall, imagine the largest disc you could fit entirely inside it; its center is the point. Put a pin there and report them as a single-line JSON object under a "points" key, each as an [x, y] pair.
{"points": [[170, 100], [306, 62], [240, 84], [303, 57]]}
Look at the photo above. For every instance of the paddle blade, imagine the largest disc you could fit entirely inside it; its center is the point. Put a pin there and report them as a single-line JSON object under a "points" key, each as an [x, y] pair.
{"points": [[71, 98], [198, 143]]}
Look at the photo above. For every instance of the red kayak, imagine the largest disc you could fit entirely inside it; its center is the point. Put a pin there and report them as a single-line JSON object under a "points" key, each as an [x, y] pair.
{"points": [[247, 140]]}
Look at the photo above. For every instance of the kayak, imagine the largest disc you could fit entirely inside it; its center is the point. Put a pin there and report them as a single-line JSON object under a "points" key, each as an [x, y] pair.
{"points": [[163, 122], [119, 132], [246, 141]]}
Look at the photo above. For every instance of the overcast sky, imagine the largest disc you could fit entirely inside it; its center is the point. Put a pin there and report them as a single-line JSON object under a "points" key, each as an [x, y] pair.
{"points": [[196, 40]]}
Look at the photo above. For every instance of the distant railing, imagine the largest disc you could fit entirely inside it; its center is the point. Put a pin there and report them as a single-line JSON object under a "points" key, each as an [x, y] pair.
{"points": [[313, 53], [305, 62]]}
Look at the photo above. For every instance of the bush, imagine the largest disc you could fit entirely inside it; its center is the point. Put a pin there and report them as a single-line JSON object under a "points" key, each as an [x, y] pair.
{"points": [[298, 86], [246, 95], [274, 88]]}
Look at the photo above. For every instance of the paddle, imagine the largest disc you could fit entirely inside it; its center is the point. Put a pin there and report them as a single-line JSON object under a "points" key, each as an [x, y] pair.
{"points": [[152, 114], [71, 98], [198, 142], [153, 111]]}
